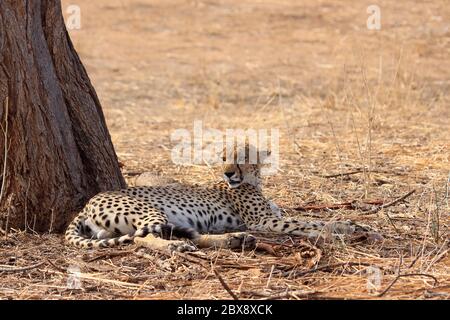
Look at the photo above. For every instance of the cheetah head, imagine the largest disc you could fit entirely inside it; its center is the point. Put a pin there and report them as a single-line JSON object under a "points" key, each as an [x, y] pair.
{"points": [[243, 165]]}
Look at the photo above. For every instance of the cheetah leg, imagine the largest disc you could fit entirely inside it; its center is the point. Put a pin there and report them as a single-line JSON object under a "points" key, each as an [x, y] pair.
{"points": [[311, 230], [156, 243], [315, 230], [236, 240]]}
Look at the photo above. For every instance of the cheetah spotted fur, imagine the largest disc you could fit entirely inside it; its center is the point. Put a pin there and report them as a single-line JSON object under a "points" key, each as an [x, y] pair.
{"points": [[178, 211]]}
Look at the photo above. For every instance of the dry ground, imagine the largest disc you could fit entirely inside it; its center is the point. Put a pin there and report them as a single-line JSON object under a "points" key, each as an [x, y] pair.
{"points": [[343, 98]]}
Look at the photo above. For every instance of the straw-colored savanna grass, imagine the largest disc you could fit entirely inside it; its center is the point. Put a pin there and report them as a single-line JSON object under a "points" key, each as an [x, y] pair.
{"points": [[363, 117]]}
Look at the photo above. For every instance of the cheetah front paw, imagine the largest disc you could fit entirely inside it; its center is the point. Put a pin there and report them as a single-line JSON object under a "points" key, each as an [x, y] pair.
{"points": [[348, 228]]}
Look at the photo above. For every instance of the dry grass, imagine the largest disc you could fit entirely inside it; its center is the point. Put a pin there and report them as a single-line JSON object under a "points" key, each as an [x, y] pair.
{"points": [[344, 99]]}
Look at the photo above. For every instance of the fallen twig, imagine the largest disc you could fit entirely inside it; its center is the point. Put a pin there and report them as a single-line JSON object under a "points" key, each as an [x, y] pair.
{"points": [[224, 285], [55, 266], [354, 205], [343, 174], [262, 246], [282, 295], [109, 255], [343, 205], [390, 204], [19, 269], [407, 275], [205, 266], [330, 266], [192, 259], [219, 277]]}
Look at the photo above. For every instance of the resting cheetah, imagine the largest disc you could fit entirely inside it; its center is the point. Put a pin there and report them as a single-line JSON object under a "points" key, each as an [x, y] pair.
{"points": [[190, 211]]}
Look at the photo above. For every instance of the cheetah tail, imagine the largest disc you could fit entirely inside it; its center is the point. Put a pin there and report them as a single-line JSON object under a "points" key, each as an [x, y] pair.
{"points": [[75, 231], [74, 234]]}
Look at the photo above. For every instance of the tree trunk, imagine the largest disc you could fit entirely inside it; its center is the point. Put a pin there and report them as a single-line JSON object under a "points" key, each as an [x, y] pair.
{"points": [[58, 150]]}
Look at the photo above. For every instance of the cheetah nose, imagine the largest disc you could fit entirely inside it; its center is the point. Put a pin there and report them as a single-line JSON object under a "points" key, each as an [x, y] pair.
{"points": [[229, 174]]}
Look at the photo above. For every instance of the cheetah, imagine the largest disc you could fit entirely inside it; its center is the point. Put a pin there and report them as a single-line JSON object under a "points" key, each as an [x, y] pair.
{"points": [[163, 216]]}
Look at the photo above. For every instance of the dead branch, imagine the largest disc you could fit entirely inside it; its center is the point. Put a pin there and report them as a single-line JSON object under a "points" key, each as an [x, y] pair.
{"points": [[353, 205], [343, 205], [343, 174], [408, 275], [330, 266], [283, 295], [262, 246], [19, 269], [109, 255], [224, 285], [390, 204], [55, 266]]}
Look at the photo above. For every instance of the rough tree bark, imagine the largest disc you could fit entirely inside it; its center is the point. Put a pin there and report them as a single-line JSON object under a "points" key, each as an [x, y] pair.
{"points": [[58, 149]]}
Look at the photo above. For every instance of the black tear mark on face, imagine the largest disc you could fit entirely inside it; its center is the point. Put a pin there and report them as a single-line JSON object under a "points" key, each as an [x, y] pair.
{"points": [[240, 172]]}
